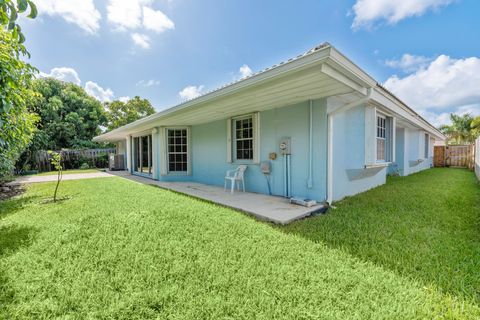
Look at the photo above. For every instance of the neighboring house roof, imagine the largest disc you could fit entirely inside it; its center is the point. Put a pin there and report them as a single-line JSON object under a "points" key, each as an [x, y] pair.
{"points": [[341, 72]]}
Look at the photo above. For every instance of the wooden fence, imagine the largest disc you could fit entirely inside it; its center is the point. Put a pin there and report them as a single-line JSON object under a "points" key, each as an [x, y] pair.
{"points": [[73, 159], [458, 156], [477, 158]]}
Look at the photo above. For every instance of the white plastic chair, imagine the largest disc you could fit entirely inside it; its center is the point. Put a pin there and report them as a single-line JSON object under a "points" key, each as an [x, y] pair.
{"points": [[235, 177]]}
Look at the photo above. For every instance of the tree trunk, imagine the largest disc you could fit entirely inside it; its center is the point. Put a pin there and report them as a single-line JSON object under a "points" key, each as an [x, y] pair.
{"points": [[59, 178]]}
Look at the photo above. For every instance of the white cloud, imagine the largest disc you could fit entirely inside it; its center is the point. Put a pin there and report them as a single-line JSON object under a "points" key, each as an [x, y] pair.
{"points": [[98, 92], [367, 12], [148, 83], [64, 74], [125, 14], [245, 71], [92, 88], [191, 92], [141, 40], [156, 20], [437, 119], [409, 62], [137, 16], [81, 12], [124, 99], [446, 82]]}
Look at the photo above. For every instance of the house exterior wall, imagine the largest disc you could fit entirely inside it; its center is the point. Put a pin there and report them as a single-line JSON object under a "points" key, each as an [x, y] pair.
{"points": [[353, 153], [121, 147], [349, 154], [209, 152], [417, 151], [401, 145], [410, 147]]}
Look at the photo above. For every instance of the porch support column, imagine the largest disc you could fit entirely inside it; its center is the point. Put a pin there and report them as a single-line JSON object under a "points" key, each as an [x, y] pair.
{"points": [[155, 155], [406, 152], [128, 146]]}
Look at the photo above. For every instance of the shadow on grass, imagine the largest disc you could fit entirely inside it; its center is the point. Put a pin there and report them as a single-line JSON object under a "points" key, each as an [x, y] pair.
{"points": [[58, 201], [12, 238], [8, 207]]}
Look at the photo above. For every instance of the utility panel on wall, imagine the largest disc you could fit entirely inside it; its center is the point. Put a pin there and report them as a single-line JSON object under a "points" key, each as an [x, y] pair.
{"points": [[285, 146]]}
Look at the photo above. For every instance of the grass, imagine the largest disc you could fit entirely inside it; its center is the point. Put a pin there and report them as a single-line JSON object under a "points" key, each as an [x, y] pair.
{"points": [[69, 171], [118, 249], [425, 227]]}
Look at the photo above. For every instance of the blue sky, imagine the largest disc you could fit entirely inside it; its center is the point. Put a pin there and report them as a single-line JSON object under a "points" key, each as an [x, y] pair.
{"points": [[425, 51]]}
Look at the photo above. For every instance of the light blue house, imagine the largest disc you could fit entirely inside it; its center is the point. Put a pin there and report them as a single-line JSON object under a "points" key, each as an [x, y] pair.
{"points": [[327, 129]]}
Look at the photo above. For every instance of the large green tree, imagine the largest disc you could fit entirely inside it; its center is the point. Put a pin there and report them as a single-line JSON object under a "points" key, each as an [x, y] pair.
{"points": [[9, 11], [69, 117], [476, 126], [16, 123], [120, 113], [462, 130]]}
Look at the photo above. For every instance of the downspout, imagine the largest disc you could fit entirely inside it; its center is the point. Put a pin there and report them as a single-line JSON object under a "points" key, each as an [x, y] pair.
{"points": [[330, 158], [310, 163]]}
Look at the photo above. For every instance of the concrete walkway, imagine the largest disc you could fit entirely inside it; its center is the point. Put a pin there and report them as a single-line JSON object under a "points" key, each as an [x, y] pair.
{"points": [[271, 208], [66, 176], [264, 207]]}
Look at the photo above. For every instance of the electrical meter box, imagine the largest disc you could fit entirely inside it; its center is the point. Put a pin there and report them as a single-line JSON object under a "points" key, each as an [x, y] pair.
{"points": [[285, 146], [265, 167]]}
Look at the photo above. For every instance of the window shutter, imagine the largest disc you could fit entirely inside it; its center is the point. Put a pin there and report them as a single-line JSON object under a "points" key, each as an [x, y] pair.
{"points": [[229, 140], [370, 135], [256, 137]]}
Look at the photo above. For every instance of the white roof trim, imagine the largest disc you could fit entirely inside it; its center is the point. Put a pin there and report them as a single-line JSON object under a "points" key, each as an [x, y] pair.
{"points": [[333, 63]]}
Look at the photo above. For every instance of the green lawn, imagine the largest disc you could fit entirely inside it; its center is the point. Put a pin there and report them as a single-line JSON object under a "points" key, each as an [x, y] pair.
{"points": [[70, 171], [118, 249], [425, 226]]}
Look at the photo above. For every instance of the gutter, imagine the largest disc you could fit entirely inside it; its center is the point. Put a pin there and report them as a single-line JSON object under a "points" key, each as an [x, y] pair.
{"points": [[392, 97]]}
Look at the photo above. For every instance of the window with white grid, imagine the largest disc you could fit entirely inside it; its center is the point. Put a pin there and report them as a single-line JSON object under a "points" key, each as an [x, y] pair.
{"points": [[381, 138], [243, 134], [177, 147]]}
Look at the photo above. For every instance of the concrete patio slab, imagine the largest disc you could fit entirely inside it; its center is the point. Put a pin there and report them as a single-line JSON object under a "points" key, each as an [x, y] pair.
{"points": [[72, 176], [264, 207]]}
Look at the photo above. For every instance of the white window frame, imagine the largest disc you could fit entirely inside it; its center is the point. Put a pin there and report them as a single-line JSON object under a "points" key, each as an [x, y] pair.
{"points": [[140, 135], [232, 139], [377, 137], [166, 159], [236, 139]]}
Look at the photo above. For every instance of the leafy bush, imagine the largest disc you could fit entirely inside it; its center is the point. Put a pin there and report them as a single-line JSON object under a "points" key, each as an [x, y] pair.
{"points": [[84, 166], [101, 161], [17, 125]]}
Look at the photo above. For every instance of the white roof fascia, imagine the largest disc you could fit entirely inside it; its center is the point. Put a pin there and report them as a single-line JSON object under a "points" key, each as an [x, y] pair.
{"points": [[303, 61], [340, 62], [408, 114], [333, 63]]}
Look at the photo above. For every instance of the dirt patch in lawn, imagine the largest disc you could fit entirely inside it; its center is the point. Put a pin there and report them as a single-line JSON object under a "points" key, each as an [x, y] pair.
{"points": [[7, 192]]}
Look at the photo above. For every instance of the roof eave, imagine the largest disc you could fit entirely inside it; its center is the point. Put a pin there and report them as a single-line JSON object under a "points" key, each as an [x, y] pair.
{"points": [[257, 78]]}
